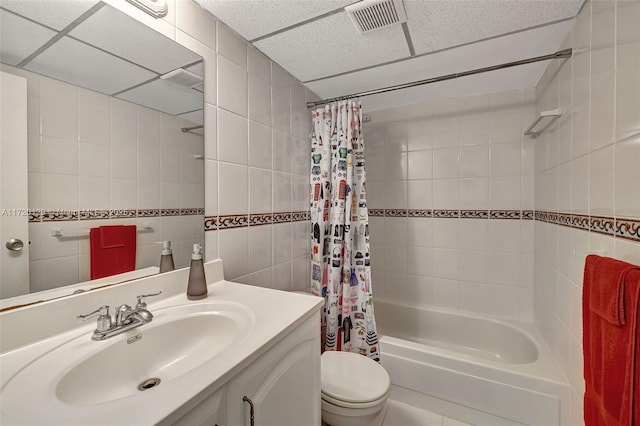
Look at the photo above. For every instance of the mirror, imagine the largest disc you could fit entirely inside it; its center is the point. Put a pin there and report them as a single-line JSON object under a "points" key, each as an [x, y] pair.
{"points": [[114, 137]]}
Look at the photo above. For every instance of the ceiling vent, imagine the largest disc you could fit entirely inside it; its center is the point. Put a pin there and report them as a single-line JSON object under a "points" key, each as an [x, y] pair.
{"points": [[182, 77], [372, 15]]}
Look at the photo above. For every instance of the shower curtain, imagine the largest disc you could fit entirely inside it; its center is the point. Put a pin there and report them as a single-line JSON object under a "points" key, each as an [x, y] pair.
{"points": [[341, 271]]}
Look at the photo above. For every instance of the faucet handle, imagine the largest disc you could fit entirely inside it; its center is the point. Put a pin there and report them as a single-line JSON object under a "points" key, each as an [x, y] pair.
{"points": [[141, 303], [104, 319]]}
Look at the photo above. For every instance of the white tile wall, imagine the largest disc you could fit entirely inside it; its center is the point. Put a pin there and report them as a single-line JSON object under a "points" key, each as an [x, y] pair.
{"points": [[97, 152], [591, 169], [256, 147], [464, 154]]}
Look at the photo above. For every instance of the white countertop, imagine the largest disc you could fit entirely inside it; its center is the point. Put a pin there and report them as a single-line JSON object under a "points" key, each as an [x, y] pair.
{"points": [[274, 314]]}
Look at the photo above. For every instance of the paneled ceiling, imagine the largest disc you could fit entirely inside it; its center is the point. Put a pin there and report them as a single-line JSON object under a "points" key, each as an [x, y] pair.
{"points": [[90, 44], [317, 43]]}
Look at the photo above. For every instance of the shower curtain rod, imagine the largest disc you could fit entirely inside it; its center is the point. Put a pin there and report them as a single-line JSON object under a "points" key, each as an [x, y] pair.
{"points": [[565, 53]]}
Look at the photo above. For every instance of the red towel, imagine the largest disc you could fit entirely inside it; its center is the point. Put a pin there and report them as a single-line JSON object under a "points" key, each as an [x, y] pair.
{"points": [[611, 342], [113, 250]]}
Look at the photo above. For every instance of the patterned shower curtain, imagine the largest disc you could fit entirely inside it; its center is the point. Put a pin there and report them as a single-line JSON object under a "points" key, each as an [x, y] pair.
{"points": [[341, 271]]}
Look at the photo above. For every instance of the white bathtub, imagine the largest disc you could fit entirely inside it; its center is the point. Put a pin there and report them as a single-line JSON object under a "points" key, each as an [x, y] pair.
{"points": [[477, 369]]}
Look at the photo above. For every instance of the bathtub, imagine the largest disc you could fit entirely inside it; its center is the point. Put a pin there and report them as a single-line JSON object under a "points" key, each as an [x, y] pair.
{"points": [[477, 369]]}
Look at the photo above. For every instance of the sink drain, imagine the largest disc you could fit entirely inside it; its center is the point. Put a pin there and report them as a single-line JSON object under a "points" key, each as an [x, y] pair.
{"points": [[148, 384]]}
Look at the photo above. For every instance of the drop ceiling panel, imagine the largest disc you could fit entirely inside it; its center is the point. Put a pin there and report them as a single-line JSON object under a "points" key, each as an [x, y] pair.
{"points": [[165, 96], [332, 45], [253, 19], [93, 68], [19, 37], [436, 25], [535, 42], [56, 14], [111, 30]]}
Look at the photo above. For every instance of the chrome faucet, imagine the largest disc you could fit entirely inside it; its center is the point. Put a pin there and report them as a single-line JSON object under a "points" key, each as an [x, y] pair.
{"points": [[125, 318]]}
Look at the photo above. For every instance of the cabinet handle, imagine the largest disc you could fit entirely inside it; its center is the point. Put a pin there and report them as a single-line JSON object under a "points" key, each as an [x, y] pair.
{"points": [[251, 412]]}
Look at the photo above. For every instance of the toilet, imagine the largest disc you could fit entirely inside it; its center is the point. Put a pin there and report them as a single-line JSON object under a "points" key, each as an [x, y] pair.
{"points": [[354, 389]]}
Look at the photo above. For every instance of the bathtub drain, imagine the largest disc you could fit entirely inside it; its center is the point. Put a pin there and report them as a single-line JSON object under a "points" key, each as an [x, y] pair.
{"points": [[148, 384]]}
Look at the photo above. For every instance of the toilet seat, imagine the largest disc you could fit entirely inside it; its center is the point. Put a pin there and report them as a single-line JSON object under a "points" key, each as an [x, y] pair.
{"points": [[353, 381], [354, 405]]}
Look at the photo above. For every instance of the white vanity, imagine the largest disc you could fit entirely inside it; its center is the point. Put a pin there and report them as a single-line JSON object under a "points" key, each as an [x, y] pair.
{"points": [[243, 350]]}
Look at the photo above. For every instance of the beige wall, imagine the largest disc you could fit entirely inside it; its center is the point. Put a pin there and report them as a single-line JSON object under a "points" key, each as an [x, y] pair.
{"points": [[587, 166]]}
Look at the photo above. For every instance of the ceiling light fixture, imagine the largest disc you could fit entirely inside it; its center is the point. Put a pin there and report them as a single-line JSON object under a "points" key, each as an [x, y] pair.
{"points": [[155, 8], [183, 78]]}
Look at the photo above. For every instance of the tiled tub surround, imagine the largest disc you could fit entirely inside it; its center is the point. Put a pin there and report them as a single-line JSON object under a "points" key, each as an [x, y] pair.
{"points": [[96, 160], [450, 196], [587, 172]]}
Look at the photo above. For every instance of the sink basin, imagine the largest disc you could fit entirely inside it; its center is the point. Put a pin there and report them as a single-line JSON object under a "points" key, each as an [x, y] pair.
{"points": [[162, 352], [139, 361]]}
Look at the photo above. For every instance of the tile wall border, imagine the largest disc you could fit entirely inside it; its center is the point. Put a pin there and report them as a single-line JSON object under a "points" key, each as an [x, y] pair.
{"points": [[454, 214], [626, 228], [218, 223], [68, 215]]}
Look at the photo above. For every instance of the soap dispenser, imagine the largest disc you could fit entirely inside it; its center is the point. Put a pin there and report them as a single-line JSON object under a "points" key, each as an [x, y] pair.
{"points": [[197, 287], [166, 260]]}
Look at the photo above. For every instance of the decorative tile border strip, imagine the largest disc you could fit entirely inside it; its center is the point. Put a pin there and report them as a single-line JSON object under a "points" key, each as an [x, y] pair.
{"points": [[233, 221], [210, 223], [628, 229], [189, 212], [214, 223], [395, 212], [619, 227], [449, 214], [66, 215], [474, 214], [454, 214], [505, 214], [149, 213], [122, 214], [35, 215], [602, 224], [282, 217], [260, 219], [94, 214], [59, 215], [419, 213], [170, 212], [300, 216]]}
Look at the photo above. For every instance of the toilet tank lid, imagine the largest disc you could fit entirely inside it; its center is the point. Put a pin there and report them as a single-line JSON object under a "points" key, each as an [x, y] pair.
{"points": [[350, 377]]}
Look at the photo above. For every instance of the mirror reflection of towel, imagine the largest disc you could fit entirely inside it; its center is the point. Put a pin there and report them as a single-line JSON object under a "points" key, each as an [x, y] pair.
{"points": [[113, 250]]}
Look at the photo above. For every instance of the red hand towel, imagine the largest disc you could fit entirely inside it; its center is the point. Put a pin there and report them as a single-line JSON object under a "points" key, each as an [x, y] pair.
{"points": [[611, 313], [113, 250]]}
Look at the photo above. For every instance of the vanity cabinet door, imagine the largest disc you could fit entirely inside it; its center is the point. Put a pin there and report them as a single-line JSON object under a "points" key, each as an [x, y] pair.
{"points": [[212, 411], [283, 385]]}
